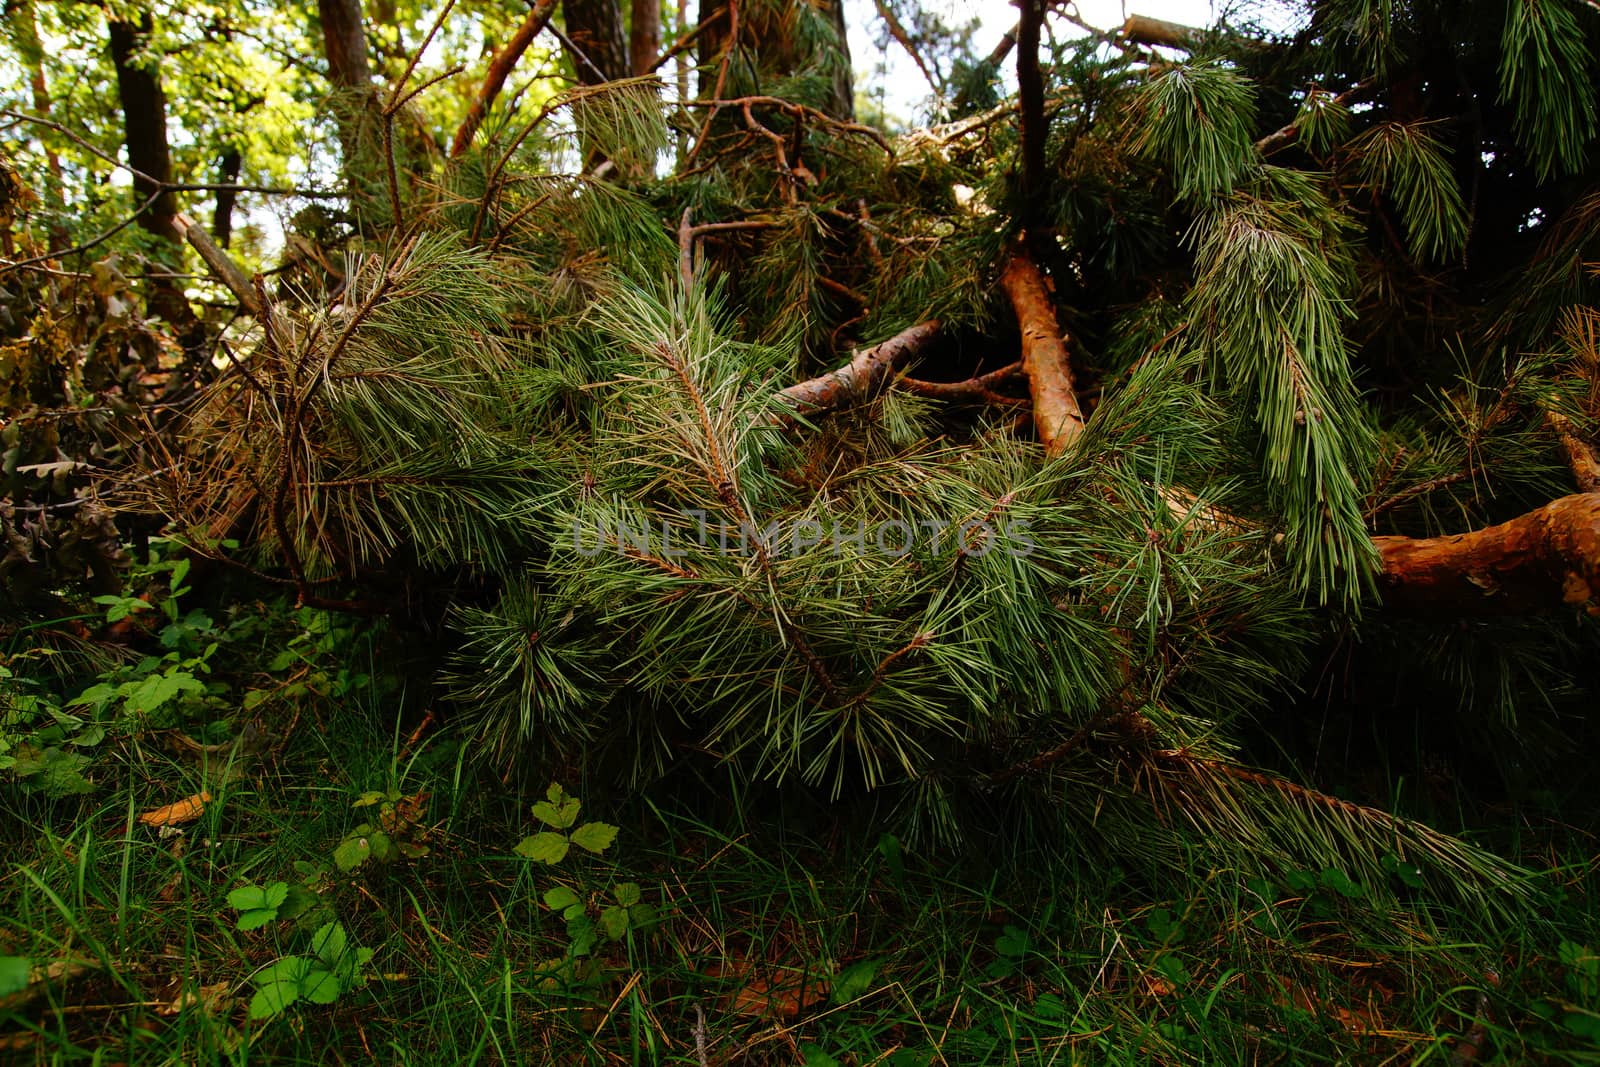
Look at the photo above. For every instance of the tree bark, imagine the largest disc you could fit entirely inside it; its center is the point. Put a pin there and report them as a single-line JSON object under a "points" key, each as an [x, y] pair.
{"points": [[499, 70], [1056, 415], [144, 119], [644, 35], [355, 102], [1141, 29], [594, 28], [1533, 564], [857, 380]]}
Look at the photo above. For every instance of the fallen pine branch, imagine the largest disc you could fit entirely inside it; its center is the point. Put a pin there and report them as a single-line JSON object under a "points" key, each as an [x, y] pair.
{"points": [[1056, 415]]}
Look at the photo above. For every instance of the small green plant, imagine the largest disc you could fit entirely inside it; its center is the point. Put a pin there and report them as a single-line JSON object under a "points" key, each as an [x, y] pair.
{"points": [[590, 916], [333, 968], [560, 812], [258, 905], [393, 834]]}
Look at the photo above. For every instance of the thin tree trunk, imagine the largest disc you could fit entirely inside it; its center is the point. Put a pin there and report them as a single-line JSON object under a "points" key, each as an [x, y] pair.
{"points": [[144, 119], [595, 29], [644, 35], [355, 103], [22, 17], [228, 168]]}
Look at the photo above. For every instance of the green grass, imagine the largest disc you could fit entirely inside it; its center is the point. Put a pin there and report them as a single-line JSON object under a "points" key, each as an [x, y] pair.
{"points": [[831, 944]]}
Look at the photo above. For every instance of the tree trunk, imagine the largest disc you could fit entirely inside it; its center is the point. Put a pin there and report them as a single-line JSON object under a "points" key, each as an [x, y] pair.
{"points": [[595, 29], [144, 118], [355, 103], [228, 168], [644, 35]]}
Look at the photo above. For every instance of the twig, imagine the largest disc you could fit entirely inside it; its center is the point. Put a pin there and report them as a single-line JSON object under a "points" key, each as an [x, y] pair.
{"points": [[682, 44], [903, 39], [977, 390], [87, 245], [1283, 136]]}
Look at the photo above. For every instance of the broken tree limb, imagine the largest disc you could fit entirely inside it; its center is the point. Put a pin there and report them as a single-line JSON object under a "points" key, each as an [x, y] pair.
{"points": [[867, 372], [499, 70], [1056, 415], [220, 263], [1141, 29], [1531, 565], [1581, 456]]}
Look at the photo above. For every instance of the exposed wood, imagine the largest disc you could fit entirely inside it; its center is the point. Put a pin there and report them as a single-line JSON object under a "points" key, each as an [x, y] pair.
{"points": [[1141, 29], [221, 265], [1534, 564], [866, 373], [1057, 418], [500, 69], [1581, 455]]}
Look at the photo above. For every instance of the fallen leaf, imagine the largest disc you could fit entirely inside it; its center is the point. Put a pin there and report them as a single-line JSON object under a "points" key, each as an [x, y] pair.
{"points": [[186, 810]]}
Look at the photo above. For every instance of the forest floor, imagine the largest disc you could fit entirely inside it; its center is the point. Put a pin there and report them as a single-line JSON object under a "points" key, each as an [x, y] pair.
{"points": [[328, 878]]}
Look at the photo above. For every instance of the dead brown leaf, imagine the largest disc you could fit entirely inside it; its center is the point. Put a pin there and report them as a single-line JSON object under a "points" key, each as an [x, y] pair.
{"points": [[186, 810]]}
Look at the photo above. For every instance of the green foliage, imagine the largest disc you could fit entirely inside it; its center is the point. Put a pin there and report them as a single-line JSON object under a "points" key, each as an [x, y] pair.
{"points": [[1268, 307], [334, 968], [1198, 119], [1547, 74], [560, 813], [257, 905], [1409, 162]]}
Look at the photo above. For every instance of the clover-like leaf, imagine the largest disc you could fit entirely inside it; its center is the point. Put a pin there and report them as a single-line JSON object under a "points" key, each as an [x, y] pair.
{"points": [[543, 847], [352, 853], [272, 998], [582, 935], [627, 894], [560, 898], [558, 810], [594, 837], [614, 921]]}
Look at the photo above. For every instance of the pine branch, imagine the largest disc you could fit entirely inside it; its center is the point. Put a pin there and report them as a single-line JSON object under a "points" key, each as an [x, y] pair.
{"points": [[1142, 29], [1286, 135], [1534, 564], [859, 379], [1056, 414]]}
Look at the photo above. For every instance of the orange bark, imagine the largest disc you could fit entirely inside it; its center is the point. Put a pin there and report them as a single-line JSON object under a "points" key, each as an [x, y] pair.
{"points": [[1530, 565], [1056, 414]]}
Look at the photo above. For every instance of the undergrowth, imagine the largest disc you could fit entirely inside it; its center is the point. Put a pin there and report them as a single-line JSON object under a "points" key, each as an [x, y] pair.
{"points": [[233, 835]]}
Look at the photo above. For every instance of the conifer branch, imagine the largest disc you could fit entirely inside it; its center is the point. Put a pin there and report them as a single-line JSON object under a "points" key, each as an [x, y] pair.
{"points": [[859, 379], [1533, 564], [1286, 135], [1056, 414], [499, 70]]}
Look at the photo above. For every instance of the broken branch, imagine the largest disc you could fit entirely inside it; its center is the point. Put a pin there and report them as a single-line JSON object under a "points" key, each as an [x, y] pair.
{"points": [[1056, 415]]}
